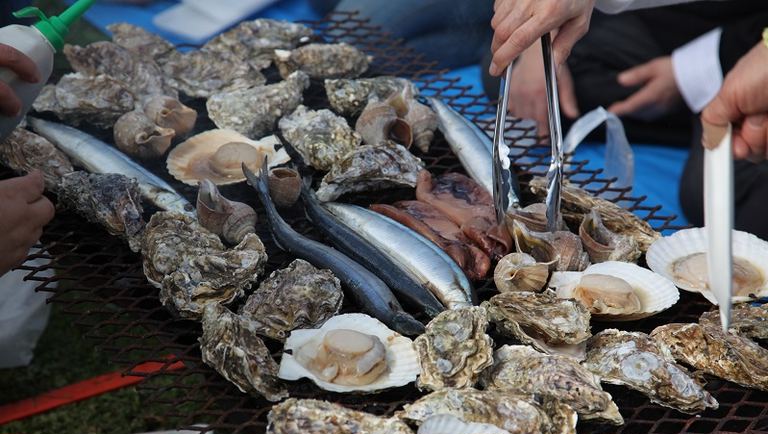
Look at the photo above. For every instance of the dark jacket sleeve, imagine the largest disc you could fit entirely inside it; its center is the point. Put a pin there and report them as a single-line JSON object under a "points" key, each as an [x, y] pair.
{"points": [[740, 36]]}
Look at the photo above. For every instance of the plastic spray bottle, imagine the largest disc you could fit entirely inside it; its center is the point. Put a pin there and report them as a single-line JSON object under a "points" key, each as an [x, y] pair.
{"points": [[39, 42]]}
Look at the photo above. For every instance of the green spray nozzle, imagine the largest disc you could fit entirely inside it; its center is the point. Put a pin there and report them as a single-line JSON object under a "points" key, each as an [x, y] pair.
{"points": [[55, 29]]}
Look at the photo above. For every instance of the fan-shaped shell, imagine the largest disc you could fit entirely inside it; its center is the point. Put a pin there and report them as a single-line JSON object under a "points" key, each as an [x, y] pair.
{"points": [[449, 424]]}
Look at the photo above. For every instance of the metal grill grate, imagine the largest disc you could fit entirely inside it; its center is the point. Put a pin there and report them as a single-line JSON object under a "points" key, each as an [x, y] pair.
{"points": [[101, 284]]}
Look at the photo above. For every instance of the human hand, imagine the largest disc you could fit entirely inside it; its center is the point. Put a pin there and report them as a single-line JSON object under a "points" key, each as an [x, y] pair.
{"points": [[519, 23], [25, 68], [743, 102], [23, 213], [659, 94]]}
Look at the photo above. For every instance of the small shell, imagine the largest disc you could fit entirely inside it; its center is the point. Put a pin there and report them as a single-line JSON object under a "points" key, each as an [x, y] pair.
{"points": [[225, 218], [284, 186], [562, 249], [534, 217], [422, 120], [681, 258], [379, 122], [520, 272], [168, 112], [603, 245], [136, 135], [448, 424]]}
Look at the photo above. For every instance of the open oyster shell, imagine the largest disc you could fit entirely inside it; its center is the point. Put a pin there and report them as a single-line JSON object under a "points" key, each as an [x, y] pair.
{"points": [[634, 360], [230, 345], [604, 245], [520, 272], [348, 97], [202, 73], [321, 137], [309, 416], [747, 320], [445, 423], [296, 297], [562, 249], [521, 369], [25, 151], [323, 61], [454, 349]]}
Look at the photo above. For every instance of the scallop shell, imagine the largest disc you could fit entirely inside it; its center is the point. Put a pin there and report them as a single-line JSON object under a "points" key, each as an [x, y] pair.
{"points": [[193, 160], [448, 424], [747, 248], [656, 292], [402, 361], [284, 186], [520, 272]]}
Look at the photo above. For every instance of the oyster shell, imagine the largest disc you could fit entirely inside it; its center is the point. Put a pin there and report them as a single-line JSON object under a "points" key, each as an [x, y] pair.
{"points": [[97, 100], [722, 354], [296, 297], [225, 218], [444, 424], [309, 416], [137, 135], [371, 168], [230, 345], [520, 272], [562, 249], [111, 200], [379, 122], [254, 111], [322, 138], [634, 360], [284, 186], [140, 41], [323, 61], [578, 202], [533, 217], [348, 97], [25, 151], [747, 320], [454, 349], [604, 245], [521, 369], [167, 112], [202, 73]]}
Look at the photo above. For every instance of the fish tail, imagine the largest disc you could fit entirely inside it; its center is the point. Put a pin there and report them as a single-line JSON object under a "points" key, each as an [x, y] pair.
{"points": [[407, 325]]}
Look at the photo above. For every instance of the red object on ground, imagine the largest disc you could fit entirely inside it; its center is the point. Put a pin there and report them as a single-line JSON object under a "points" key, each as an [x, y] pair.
{"points": [[80, 391]]}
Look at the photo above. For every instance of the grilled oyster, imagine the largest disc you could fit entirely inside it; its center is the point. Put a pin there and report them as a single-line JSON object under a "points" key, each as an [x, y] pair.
{"points": [[254, 111], [323, 61], [296, 297], [322, 138], [562, 249], [747, 320], [515, 413], [604, 245], [454, 349], [25, 151], [202, 73], [722, 354], [371, 168], [137, 135], [634, 360], [309, 416], [444, 423], [520, 272], [348, 97], [226, 218], [577, 203], [111, 200], [521, 369], [230, 345], [140, 41]]}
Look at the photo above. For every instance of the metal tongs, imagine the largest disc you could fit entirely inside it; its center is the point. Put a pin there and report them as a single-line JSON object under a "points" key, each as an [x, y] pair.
{"points": [[555, 173], [501, 163]]}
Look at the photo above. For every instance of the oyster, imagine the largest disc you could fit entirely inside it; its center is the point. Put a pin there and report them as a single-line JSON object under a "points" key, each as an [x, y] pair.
{"points": [[230, 345], [518, 414], [550, 324], [138, 136], [520, 272], [25, 151], [309, 416], [322, 138], [218, 155], [97, 100], [578, 202], [521, 369], [254, 111], [140, 41], [444, 423], [226, 218], [170, 113], [111, 200], [562, 249], [284, 186], [533, 217], [348, 97], [604, 245], [202, 73], [747, 320], [454, 349], [296, 297], [323, 61], [722, 354], [634, 360], [379, 122]]}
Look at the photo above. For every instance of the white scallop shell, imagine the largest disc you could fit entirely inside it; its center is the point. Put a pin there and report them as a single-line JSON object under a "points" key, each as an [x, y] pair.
{"points": [[402, 361], [656, 292], [665, 251], [449, 424]]}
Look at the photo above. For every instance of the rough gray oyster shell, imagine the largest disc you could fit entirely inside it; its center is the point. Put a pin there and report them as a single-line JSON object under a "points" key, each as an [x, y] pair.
{"points": [[98, 100], [747, 320], [371, 168], [634, 360], [299, 296], [253, 112], [202, 73], [111, 200], [309, 416], [25, 151], [140, 41], [323, 61], [521, 369], [454, 349], [230, 345], [321, 137], [348, 97]]}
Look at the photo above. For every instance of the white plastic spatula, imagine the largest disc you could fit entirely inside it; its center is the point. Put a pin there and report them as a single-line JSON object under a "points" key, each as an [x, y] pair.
{"points": [[718, 218]]}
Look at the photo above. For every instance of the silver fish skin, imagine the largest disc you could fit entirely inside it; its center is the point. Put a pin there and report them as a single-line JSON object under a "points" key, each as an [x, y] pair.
{"points": [[418, 256], [98, 157]]}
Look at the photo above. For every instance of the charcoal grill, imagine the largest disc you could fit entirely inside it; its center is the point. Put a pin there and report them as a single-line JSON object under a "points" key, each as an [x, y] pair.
{"points": [[100, 283]]}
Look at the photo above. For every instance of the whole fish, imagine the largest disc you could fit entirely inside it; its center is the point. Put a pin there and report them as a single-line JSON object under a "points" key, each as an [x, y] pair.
{"points": [[367, 289], [362, 252], [98, 157], [420, 257]]}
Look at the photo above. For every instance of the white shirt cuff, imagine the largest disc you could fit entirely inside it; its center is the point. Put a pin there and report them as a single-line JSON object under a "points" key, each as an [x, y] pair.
{"points": [[698, 73], [616, 6]]}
